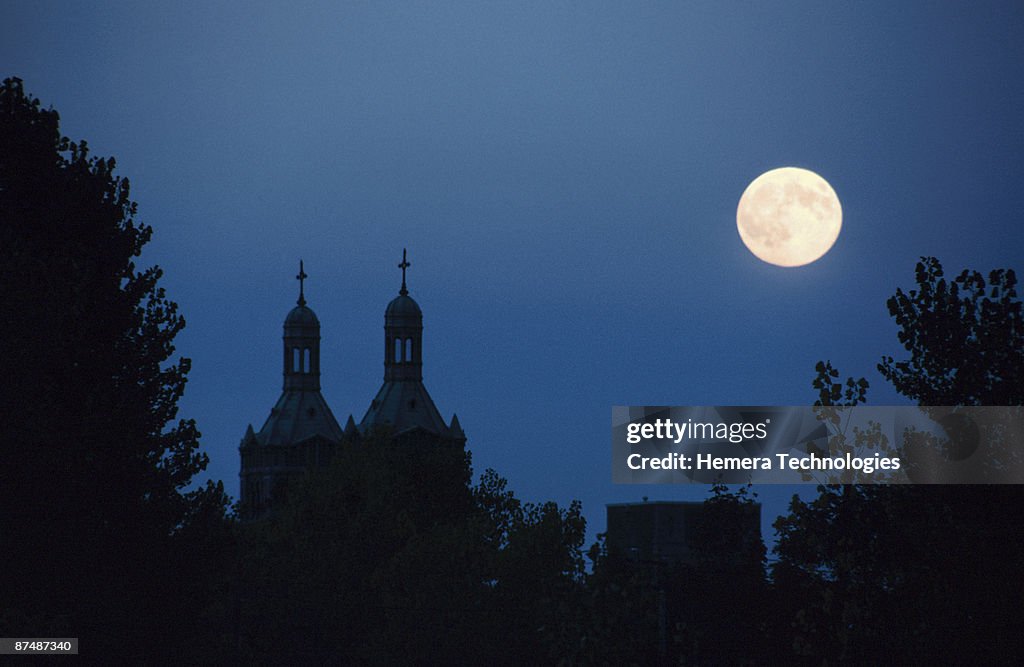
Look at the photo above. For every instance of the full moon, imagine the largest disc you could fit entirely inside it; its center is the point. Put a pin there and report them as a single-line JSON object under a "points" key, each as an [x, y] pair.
{"points": [[789, 216]]}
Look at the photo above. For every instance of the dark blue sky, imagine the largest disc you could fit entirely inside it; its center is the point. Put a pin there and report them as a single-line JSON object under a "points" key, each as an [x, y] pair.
{"points": [[565, 177]]}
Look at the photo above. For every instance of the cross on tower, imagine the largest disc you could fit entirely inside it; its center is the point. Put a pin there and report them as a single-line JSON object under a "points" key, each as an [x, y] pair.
{"points": [[301, 278], [404, 265]]}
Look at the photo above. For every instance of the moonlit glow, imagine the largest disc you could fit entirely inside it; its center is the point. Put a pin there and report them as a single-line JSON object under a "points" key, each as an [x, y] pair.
{"points": [[789, 216]]}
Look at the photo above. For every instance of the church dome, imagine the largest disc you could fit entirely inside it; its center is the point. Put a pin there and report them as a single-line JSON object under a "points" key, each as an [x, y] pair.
{"points": [[403, 305], [301, 316]]}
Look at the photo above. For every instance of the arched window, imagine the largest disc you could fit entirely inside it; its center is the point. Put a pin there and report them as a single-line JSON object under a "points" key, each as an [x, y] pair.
{"points": [[398, 350], [408, 349], [296, 361], [306, 359]]}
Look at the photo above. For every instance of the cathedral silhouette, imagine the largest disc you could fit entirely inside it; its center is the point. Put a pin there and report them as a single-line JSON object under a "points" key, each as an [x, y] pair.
{"points": [[302, 433]]}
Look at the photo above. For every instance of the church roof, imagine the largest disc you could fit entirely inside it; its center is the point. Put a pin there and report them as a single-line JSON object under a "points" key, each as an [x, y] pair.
{"points": [[299, 416], [403, 305], [404, 406], [302, 316]]}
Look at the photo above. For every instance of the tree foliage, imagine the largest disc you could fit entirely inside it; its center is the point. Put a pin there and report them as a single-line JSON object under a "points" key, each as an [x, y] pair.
{"points": [[965, 338], [390, 556], [96, 466], [915, 574]]}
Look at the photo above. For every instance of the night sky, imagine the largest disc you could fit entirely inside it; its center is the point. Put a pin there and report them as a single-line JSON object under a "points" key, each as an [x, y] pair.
{"points": [[565, 177]]}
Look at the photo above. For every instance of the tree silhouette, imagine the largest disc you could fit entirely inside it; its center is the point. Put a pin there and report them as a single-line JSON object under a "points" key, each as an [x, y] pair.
{"points": [[390, 556], [913, 574], [93, 497], [965, 338]]}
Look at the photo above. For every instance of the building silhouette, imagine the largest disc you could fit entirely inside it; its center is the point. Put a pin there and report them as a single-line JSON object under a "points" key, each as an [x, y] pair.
{"points": [[301, 432], [673, 532], [403, 406]]}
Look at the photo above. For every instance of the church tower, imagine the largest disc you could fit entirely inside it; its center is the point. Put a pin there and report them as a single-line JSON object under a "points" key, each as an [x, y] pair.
{"points": [[301, 431], [403, 405]]}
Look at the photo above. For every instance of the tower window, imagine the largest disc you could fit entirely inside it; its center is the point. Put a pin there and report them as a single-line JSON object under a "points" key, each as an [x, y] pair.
{"points": [[306, 365], [408, 349], [296, 361], [398, 351]]}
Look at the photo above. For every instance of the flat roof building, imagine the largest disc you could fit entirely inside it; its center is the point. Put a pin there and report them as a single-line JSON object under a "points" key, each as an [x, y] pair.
{"points": [[675, 531]]}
